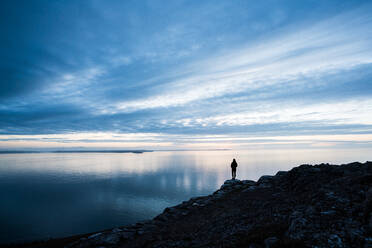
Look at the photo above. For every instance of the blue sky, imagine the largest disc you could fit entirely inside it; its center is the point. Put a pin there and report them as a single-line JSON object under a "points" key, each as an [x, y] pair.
{"points": [[185, 74]]}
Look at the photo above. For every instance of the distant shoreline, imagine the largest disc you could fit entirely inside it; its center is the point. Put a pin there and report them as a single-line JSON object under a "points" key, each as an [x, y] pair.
{"points": [[105, 151], [75, 151]]}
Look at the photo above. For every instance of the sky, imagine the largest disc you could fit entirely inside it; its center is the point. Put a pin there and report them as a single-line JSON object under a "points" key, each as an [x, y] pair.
{"points": [[185, 74]]}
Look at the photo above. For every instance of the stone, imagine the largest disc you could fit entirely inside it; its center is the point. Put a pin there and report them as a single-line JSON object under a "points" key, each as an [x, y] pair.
{"points": [[248, 182], [238, 186], [368, 242], [112, 238], [265, 179], [281, 173], [232, 182], [334, 241], [116, 230], [249, 189], [329, 213], [271, 242], [94, 235]]}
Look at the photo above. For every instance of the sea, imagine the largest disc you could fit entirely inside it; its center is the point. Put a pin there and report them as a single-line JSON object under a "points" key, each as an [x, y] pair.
{"points": [[58, 194]]}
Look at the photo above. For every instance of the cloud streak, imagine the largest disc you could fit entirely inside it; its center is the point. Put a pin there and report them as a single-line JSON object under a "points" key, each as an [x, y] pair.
{"points": [[309, 53]]}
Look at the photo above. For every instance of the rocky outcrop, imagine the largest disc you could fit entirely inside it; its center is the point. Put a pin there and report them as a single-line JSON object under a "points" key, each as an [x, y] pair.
{"points": [[309, 206]]}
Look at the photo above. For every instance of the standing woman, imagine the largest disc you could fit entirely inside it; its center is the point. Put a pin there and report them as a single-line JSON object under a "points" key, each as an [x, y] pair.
{"points": [[234, 164]]}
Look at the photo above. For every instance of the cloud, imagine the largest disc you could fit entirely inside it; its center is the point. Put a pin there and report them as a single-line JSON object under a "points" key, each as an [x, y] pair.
{"points": [[203, 68], [345, 113], [310, 53]]}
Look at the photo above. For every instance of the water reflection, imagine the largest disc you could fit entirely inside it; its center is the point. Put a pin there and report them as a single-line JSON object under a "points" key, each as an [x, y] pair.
{"points": [[54, 195]]}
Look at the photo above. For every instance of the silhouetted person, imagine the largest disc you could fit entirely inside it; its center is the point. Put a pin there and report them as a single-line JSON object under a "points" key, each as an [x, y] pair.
{"points": [[234, 164]]}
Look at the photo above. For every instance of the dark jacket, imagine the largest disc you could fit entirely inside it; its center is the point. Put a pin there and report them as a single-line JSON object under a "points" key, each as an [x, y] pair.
{"points": [[234, 164]]}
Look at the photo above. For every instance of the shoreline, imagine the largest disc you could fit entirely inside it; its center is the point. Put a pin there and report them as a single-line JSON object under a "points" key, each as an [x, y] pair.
{"points": [[323, 205]]}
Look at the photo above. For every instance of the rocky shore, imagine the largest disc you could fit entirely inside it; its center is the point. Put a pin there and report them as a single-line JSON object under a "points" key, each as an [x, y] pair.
{"points": [[309, 206]]}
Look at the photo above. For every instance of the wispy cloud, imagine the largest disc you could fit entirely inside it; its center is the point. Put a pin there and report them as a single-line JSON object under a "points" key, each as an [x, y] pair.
{"points": [[348, 112], [310, 52]]}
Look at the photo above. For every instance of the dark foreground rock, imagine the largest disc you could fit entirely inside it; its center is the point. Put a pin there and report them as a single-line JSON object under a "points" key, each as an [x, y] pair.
{"points": [[309, 206]]}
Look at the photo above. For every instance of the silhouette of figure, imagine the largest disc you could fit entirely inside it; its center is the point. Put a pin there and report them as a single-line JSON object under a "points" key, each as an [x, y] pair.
{"points": [[234, 164]]}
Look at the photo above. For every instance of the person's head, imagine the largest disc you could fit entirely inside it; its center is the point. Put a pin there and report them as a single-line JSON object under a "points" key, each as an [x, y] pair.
{"points": [[234, 159]]}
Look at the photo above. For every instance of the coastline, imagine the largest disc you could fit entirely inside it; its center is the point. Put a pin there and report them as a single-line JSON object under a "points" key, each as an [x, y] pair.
{"points": [[322, 205]]}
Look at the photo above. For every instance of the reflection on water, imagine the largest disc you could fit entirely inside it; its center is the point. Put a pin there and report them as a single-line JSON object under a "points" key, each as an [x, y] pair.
{"points": [[59, 194]]}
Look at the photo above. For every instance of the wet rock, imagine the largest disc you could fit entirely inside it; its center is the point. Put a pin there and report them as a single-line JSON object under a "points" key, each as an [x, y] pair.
{"points": [[94, 235], [116, 230]]}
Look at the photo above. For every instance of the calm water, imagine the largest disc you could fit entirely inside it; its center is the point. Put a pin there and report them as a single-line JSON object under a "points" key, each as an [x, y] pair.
{"points": [[59, 194]]}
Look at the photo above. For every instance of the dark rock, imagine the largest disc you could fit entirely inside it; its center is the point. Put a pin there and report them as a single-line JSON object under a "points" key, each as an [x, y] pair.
{"points": [[271, 242], [265, 179], [334, 241]]}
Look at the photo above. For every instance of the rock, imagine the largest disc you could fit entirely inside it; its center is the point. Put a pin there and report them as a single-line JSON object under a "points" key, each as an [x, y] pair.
{"points": [[297, 226], [328, 213], [250, 189], [281, 173], [248, 183], [368, 242], [271, 242], [232, 181], [334, 241], [265, 179], [229, 184], [253, 246], [238, 186], [315, 169], [127, 235], [116, 230], [94, 235], [112, 238]]}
